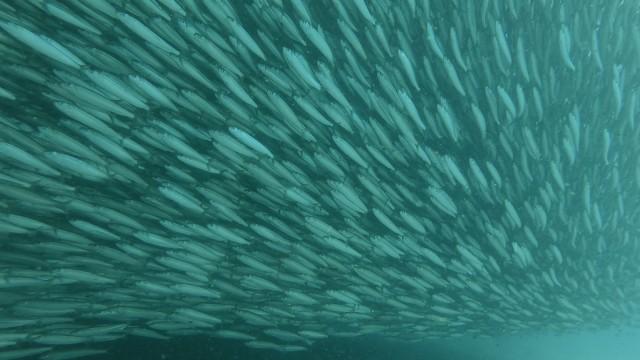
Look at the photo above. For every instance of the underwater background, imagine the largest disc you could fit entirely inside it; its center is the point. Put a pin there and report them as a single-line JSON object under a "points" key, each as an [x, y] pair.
{"points": [[291, 179], [619, 344]]}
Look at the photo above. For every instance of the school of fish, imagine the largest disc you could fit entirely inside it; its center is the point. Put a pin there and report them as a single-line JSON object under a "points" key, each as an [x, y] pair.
{"points": [[283, 171]]}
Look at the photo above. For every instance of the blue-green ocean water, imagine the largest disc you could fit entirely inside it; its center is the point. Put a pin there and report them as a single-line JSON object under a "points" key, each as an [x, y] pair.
{"points": [[328, 179], [618, 344]]}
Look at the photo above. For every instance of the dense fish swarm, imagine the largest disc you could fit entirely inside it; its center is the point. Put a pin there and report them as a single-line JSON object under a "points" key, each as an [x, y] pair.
{"points": [[279, 172]]}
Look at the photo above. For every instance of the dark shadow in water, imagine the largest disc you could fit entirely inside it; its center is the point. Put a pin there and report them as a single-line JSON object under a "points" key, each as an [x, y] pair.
{"points": [[204, 348]]}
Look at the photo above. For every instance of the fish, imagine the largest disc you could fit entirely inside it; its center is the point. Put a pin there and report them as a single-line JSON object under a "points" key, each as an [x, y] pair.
{"points": [[280, 173]]}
